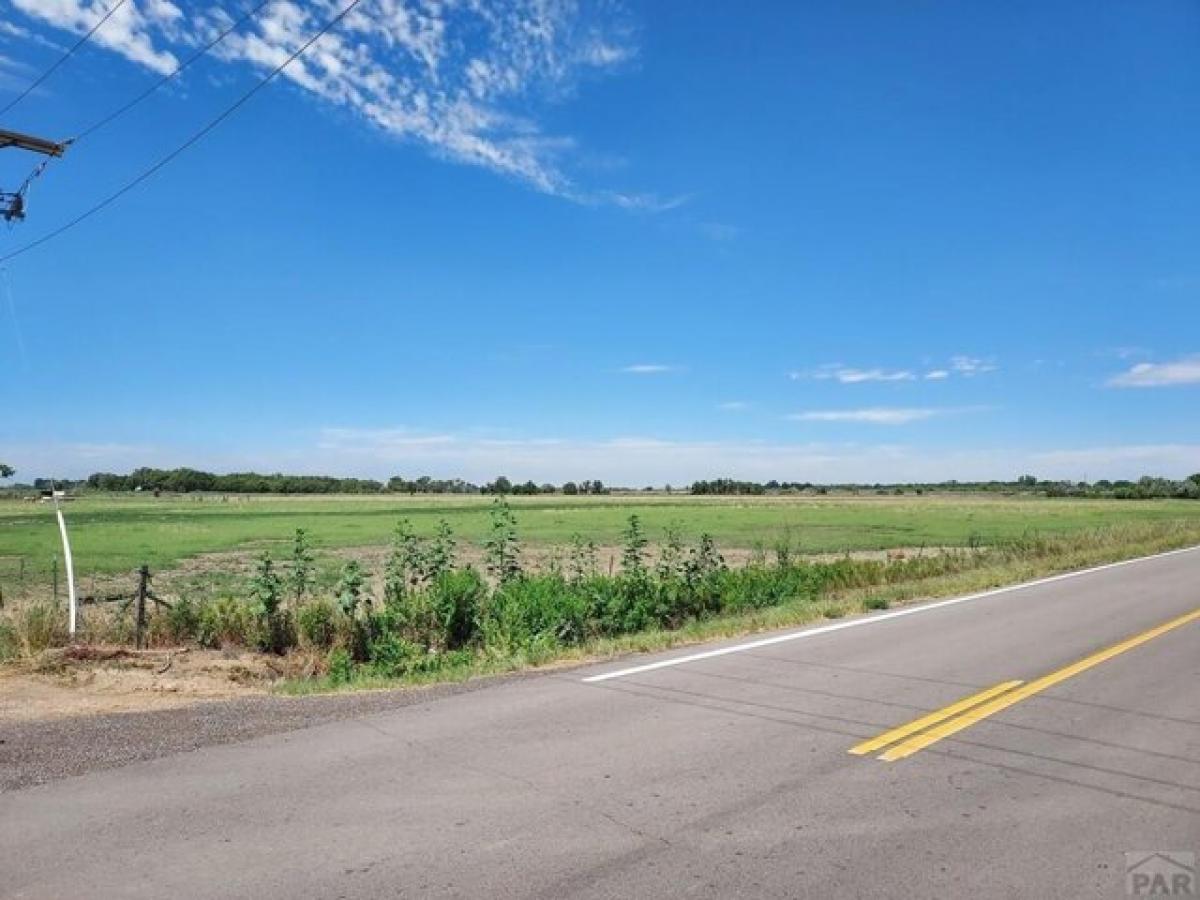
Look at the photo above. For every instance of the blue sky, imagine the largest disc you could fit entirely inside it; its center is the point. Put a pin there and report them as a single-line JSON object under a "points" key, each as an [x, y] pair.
{"points": [[645, 242]]}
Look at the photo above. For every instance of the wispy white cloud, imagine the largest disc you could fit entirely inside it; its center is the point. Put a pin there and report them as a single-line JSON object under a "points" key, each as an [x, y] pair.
{"points": [[733, 406], [874, 415], [133, 30], [850, 375], [10, 32], [462, 78], [651, 203], [972, 365], [602, 52], [1168, 374], [649, 369], [963, 366]]}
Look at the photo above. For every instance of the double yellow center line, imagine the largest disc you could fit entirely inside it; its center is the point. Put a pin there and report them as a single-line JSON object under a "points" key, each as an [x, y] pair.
{"points": [[931, 728]]}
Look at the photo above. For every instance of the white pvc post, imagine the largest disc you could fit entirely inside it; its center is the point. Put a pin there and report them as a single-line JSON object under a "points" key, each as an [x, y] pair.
{"points": [[62, 529]]}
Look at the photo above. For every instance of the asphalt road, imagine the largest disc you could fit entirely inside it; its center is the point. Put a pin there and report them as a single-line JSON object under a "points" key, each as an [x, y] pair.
{"points": [[723, 776]]}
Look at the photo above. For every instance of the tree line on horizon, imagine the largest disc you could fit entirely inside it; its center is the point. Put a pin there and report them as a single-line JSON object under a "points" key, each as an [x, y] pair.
{"points": [[187, 480], [1145, 488]]}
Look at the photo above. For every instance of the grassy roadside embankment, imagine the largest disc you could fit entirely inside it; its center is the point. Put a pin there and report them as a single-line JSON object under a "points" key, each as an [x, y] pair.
{"points": [[1008, 564]]}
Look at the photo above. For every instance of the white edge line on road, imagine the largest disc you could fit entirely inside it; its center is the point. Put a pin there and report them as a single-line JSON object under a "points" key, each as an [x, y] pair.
{"points": [[868, 620]]}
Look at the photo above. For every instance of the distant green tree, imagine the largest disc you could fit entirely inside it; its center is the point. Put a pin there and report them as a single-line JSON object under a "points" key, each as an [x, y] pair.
{"points": [[500, 486], [6, 471]]}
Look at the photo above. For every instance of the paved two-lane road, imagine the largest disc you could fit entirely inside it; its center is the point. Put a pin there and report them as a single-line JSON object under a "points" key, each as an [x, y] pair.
{"points": [[721, 775]]}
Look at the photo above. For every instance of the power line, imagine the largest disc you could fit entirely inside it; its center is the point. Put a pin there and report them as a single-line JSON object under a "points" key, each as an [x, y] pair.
{"points": [[121, 110], [194, 139], [62, 59]]}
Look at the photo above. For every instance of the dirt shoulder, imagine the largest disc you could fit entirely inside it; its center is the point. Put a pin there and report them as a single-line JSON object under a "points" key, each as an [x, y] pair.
{"points": [[37, 750], [96, 680]]}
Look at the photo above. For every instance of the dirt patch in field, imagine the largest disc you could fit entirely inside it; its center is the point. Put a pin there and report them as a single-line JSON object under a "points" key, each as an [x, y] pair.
{"points": [[90, 680]]}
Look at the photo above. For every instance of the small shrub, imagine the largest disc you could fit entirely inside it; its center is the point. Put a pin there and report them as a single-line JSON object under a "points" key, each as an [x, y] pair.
{"points": [[633, 551], [390, 655], [266, 587], [266, 593], [784, 550], [443, 549], [502, 550], [116, 625], [635, 606], [350, 588], [302, 576], [405, 563], [226, 622], [340, 666], [582, 558], [670, 556], [876, 602], [315, 622], [39, 626], [182, 621], [10, 647], [704, 559], [535, 610], [454, 601]]}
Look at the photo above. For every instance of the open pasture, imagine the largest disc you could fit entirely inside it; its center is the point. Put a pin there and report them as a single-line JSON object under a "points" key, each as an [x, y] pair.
{"points": [[114, 534]]}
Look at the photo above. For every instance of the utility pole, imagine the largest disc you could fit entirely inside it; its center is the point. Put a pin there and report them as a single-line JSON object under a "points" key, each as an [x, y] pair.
{"points": [[12, 203], [28, 142]]}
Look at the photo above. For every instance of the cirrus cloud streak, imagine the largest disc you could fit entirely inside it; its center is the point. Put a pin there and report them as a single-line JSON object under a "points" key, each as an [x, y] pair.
{"points": [[458, 76], [879, 415]]}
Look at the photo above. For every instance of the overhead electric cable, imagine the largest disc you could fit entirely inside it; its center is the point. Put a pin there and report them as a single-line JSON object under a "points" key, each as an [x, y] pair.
{"points": [[195, 138], [62, 59], [221, 35]]}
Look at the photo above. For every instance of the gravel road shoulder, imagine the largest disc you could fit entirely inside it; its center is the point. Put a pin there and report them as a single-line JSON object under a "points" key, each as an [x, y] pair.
{"points": [[37, 751]]}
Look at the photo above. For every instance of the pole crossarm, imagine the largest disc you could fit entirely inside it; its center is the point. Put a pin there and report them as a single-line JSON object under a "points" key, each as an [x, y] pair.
{"points": [[29, 142]]}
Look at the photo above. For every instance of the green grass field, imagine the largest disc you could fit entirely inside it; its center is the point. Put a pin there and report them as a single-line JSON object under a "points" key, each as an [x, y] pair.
{"points": [[116, 534]]}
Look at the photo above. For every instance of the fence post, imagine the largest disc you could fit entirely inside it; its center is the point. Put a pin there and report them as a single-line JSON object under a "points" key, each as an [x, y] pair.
{"points": [[143, 584]]}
